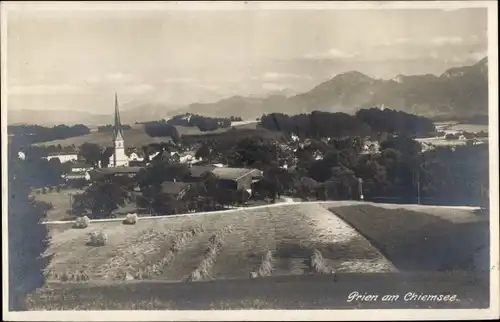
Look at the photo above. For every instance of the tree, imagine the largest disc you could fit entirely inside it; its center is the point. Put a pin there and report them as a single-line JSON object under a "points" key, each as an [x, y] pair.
{"points": [[204, 152], [306, 187], [100, 199], [25, 264], [91, 153], [341, 185]]}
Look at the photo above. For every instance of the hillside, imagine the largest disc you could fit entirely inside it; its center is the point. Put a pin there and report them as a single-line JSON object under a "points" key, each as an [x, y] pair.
{"points": [[246, 107], [134, 137], [55, 117], [296, 245], [459, 91]]}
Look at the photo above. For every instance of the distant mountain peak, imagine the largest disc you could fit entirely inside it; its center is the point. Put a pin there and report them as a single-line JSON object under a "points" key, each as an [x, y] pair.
{"points": [[399, 78], [353, 75], [483, 61]]}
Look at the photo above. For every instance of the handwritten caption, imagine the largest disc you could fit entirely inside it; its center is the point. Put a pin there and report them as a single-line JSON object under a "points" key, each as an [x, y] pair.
{"points": [[407, 297]]}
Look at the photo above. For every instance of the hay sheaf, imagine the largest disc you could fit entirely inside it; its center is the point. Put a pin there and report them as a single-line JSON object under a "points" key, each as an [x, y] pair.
{"points": [[81, 222], [216, 242], [317, 263], [266, 266], [97, 239], [127, 255], [131, 219], [178, 243]]}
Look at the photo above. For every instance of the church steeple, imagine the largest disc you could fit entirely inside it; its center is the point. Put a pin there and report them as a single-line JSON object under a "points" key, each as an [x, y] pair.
{"points": [[117, 132], [119, 158]]}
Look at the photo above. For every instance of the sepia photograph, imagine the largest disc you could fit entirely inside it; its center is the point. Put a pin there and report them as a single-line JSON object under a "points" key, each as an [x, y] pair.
{"points": [[249, 160]]}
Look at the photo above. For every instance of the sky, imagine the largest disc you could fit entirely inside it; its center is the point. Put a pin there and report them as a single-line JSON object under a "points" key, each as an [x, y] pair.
{"points": [[76, 60]]}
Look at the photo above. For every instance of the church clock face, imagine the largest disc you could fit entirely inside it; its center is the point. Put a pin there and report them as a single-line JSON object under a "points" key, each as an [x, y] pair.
{"points": [[119, 144]]}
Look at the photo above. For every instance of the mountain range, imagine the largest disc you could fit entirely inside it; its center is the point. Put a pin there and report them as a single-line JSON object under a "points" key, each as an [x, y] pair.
{"points": [[458, 92]]}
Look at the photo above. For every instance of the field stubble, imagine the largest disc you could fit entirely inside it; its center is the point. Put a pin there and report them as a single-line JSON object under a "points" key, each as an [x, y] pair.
{"points": [[266, 241]]}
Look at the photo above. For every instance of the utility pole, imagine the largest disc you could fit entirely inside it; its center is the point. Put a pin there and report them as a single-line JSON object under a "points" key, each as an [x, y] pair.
{"points": [[418, 186], [360, 187], [70, 204]]}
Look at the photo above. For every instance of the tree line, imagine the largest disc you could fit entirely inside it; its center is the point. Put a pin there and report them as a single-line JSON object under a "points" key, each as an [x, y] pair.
{"points": [[364, 123], [29, 134], [204, 123], [110, 128]]}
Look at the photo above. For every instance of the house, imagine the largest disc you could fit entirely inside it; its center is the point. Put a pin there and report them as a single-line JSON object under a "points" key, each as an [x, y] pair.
{"points": [[135, 155], [62, 156], [100, 173], [197, 173], [317, 155], [76, 176], [80, 167], [238, 178], [175, 189], [189, 158]]}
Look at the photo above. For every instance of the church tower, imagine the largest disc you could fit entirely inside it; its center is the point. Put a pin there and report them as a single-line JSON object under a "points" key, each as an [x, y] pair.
{"points": [[119, 158]]}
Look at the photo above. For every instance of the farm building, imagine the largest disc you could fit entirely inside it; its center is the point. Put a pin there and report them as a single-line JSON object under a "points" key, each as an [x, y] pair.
{"points": [[63, 156], [118, 171], [175, 189], [238, 178]]}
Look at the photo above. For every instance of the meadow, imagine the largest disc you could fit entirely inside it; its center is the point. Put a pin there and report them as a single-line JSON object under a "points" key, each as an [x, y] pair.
{"points": [[269, 257]]}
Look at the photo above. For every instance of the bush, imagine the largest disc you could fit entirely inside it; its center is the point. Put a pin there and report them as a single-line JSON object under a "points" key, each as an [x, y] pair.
{"points": [[44, 190], [131, 219], [81, 222], [97, 238]]}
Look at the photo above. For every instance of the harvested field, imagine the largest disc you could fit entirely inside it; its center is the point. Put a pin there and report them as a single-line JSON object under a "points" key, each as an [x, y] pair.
{"points": [[424, 238], [215, 246], [288, 256]]}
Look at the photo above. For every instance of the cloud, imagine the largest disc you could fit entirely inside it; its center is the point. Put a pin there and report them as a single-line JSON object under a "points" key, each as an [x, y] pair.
{"points": [[333, 53], [273, 86], [469, 57], [450, 40], [279, 76], [178, 80], [138, 89], [434, 41], [46, 89], [118, 76]]}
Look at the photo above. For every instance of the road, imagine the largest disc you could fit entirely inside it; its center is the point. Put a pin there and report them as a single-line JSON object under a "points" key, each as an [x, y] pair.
{"points": [[288, 201]]}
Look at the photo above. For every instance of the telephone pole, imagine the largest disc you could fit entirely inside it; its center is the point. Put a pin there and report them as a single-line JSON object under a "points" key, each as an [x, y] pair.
{"points": [[418, 186], [360, 187]]}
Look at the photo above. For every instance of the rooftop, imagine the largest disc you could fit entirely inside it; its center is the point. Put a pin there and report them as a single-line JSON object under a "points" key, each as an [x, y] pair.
{"points": [[118, 170], [235, 173], [198, 171], [80, 164], [173, 188], [51, 154]]}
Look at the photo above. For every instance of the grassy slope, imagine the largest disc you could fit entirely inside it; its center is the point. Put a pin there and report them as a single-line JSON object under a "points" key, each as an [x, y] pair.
{"points": [[60, 201], [417, 241], [137, 136], [290, 232], [134, 137], [288, 292]]}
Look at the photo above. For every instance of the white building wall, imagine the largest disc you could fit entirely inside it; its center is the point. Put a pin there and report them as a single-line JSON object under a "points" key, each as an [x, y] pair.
{"points": [[63, 158]]}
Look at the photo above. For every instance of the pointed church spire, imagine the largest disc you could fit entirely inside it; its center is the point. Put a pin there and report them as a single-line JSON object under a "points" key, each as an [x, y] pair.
{"points": [[118, 125]]}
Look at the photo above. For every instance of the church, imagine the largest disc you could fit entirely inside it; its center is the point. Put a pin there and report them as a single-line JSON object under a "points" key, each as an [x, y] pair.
{"points": [[119, 157]]}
